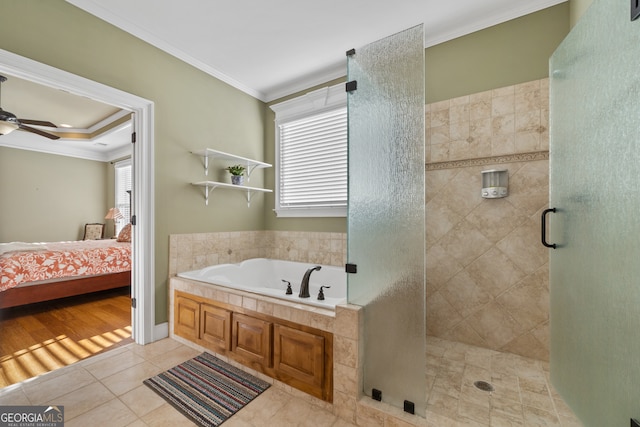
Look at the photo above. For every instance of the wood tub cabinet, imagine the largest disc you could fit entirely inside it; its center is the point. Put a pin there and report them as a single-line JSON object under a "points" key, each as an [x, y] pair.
{"points": [[295, 354]]}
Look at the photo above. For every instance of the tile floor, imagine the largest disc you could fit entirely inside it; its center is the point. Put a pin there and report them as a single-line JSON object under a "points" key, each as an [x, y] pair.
{"points": [[522, 396], [107, 390]]}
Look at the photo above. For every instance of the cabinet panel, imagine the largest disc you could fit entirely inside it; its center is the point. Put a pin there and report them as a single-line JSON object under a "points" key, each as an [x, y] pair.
{"points": [[251, 340], [299, 358], [215, 327], [187, 318]]}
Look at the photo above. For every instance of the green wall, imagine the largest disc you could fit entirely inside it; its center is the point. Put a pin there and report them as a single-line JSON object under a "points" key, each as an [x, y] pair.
{"points": [[192, 110], [513, 52], [577, 9], [48, 198]]}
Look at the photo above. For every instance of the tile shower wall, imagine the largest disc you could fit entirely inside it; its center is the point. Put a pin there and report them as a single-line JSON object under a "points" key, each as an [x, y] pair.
{"points": [[194, 251], [487, 272]]}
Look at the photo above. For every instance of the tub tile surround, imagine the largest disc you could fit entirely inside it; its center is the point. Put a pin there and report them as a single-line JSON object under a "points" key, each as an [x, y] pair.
{"points": [[198, 250], [487, 273], [194, 251]]}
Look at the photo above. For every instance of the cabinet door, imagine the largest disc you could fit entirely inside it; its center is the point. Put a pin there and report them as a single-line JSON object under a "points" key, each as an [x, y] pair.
{"points": [[215, 327], [187, 318], [298, 359], [251, 340]]}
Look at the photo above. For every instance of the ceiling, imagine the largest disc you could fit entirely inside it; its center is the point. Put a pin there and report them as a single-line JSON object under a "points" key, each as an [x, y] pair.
{"points": [[265, 49], [88, 129], [270, 49]]}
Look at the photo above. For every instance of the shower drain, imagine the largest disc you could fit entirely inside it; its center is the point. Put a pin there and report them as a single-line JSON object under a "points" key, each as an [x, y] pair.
{"points": [[483, 385]]}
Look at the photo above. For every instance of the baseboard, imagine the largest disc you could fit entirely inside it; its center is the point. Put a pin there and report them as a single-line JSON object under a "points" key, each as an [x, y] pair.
{"points": [[161, 331]]}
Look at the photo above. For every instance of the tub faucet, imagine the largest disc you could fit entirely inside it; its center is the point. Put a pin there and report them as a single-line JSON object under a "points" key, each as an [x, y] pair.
{"points": [[304, 286]]}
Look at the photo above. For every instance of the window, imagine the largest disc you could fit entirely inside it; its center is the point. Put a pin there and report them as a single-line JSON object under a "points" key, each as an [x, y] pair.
{"points": [[311, 154], [123, 192]]}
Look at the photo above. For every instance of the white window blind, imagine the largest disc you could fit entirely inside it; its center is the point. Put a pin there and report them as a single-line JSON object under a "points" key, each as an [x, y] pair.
{"points": [[312, 162], [122, 198]]}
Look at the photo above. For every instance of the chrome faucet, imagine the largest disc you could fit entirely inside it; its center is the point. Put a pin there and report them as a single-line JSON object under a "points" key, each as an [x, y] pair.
{"points": [[304, 286]]}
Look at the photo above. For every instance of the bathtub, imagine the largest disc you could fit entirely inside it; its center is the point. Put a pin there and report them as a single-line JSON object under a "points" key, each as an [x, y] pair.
{"points": [[265, 277]]}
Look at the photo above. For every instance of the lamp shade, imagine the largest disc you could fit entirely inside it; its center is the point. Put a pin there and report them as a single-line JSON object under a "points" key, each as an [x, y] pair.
{"points": [[114, 213]]}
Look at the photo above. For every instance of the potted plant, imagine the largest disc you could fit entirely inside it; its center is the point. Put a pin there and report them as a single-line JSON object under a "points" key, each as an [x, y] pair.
{"points": [[237, 174]]}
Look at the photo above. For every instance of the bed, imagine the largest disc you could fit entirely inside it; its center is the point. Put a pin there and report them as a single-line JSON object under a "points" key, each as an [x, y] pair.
{"points": [[37, 272]]}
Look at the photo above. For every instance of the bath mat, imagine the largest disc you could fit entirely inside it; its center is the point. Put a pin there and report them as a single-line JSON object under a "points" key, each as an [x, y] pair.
{"points": [[206, 389]]}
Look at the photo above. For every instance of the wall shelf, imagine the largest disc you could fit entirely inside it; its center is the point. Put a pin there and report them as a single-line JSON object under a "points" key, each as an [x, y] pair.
{"points": [[209, 186], [249, 164]]}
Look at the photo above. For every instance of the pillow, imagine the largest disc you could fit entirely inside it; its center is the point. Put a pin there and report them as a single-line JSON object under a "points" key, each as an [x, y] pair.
{"points": [[125, 234]]}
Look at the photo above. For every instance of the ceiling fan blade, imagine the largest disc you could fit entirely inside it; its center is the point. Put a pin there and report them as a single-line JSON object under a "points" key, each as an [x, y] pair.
{"points": [[38, 123], [38, 131]]}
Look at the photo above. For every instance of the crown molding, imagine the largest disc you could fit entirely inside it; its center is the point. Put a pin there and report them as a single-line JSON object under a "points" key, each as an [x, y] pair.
{"points": [[129, 27], [316, 101], [331, 72]]}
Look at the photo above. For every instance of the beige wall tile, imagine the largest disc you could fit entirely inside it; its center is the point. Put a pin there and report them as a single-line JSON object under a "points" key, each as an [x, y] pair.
{"points": [[503, 144], [495, 272], [504, 124], [496, 325], [496, 241], [345, 351], [522, 246], [459, 112], [480, 107], [441, 316], [503, 105], [465, 295], [465, 243], [441, 267], [347, 323]]}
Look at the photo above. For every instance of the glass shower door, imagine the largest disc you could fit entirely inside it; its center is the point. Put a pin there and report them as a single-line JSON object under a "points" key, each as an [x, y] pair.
{"points": [[386, 229], [595, 186]]}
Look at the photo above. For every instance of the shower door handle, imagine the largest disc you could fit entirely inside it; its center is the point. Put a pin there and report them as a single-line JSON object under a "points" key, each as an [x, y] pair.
{"points": [[544, 228]]}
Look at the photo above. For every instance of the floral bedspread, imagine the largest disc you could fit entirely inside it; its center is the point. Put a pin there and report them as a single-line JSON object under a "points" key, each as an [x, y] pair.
{"points": [[37, 262]]}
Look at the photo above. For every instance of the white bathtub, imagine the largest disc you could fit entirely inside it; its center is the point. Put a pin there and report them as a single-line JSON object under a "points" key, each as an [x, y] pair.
{"points": [[264, 276]]}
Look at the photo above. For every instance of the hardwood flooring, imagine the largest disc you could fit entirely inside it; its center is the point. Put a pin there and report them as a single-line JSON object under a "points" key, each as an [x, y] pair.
{"points": [[42, 337]]}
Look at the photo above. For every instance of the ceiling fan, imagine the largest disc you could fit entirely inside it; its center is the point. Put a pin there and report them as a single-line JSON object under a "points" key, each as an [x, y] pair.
{"points": [[9, 122]]}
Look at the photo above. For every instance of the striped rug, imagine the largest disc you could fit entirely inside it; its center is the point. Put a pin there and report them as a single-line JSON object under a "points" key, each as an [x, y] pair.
{"points": [[207, 389]]}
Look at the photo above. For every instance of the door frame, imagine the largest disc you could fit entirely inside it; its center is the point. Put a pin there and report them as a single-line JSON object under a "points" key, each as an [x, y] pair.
{"points": [[143, 249]]}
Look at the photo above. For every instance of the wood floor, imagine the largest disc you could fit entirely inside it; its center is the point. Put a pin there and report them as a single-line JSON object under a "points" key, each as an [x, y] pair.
{"points": [[42, 337]]}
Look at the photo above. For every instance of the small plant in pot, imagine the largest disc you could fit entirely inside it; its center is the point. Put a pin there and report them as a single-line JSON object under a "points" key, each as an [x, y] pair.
{"points": [[237, 174]]}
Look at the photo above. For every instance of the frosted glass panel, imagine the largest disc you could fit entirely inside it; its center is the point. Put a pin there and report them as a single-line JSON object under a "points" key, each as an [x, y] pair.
{"points": [[595, 185], [386, 214]]}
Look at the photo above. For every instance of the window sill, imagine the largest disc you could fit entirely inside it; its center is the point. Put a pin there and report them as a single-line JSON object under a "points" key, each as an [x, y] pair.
{"points": [[311, 212]]}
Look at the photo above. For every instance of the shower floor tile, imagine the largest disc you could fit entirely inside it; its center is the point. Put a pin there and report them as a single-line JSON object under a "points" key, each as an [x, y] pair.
{"points": [[522, 392]]}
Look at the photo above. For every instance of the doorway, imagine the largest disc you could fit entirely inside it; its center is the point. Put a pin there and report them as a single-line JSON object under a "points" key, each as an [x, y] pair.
{"points": [[142, 272]]}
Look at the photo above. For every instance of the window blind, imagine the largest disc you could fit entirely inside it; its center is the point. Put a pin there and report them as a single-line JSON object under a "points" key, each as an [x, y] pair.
{"points": [[313, 161], [122, 184]]}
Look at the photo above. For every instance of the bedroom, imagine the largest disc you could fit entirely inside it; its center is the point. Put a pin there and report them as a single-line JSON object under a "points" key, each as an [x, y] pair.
{"points": [[64, 186]]}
